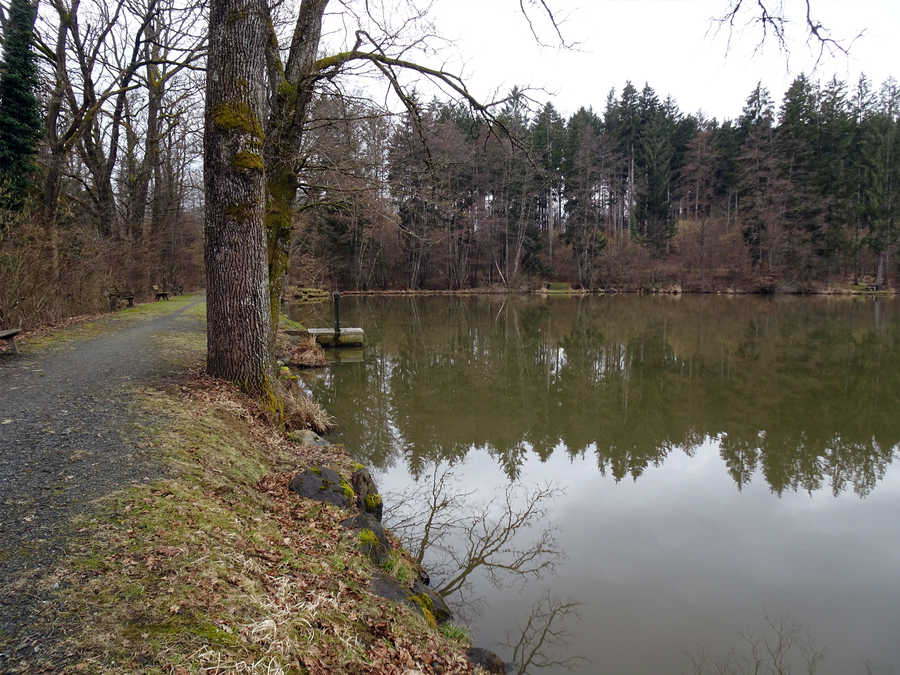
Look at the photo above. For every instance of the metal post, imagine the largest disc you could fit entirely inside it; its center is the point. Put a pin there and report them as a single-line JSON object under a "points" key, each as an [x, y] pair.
{"points": [[337, 315]]}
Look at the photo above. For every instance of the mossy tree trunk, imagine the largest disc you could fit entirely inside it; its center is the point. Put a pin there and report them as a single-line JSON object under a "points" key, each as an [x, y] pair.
{"points": [[238, 324], [292, 85]]}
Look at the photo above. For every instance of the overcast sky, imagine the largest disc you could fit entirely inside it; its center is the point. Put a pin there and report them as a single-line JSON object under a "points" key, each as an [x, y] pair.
{"points": [[672, 44]]}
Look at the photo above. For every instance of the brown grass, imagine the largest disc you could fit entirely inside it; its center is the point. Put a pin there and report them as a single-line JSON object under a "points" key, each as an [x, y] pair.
{"points": [[301, 412], [303, 352], [220, 568]]}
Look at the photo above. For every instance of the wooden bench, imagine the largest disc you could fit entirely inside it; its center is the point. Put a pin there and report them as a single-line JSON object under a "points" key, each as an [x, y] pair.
{"points": [[9, 335], [162, 295], [114, 297]]}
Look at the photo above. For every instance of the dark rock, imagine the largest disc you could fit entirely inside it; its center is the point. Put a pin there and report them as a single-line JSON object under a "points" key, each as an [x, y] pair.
{"points": [[420, 602], [486, 659], [372, 539], [389, 589], [435, 602], [323, 485], [367, 497]]}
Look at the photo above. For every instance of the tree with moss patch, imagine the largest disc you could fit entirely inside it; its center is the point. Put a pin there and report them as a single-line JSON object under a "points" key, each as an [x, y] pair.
{"points": [[20, 118]]}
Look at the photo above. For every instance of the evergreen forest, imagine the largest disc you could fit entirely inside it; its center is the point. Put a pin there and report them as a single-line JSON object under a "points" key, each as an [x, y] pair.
{"points": [[795, 196]]}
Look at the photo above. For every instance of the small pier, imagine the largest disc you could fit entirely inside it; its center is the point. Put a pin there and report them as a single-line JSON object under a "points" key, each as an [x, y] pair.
{"points": [[337, 336]]}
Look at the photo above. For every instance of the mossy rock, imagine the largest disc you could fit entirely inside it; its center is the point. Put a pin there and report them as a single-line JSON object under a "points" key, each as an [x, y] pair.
{"points": [[421, 599], [367, 537], [374, 505], [372, 539], [367, 497], [433, 601], [324, 485], [421, 604]]}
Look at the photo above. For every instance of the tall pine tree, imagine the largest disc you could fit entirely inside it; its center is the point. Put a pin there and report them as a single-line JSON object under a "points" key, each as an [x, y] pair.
{"points": [[20, 119]]}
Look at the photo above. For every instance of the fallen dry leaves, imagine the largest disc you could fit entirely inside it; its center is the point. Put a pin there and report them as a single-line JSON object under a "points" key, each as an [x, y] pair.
{"points": [[245, 576]]}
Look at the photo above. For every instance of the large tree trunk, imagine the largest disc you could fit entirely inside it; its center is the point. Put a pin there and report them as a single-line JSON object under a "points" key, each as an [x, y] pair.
{"points": [[284, 137], [237, 311]]}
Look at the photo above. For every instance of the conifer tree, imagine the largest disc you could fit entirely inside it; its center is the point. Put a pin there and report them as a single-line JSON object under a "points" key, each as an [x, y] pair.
{"points": [[757, 177], [20, 119]]}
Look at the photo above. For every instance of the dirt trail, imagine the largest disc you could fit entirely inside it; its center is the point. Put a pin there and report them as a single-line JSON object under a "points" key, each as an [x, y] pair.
{"points": [[69, 435]]}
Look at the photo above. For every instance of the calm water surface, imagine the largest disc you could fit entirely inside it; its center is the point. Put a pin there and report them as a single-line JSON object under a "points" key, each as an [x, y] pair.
{"points": [[728, 464]]}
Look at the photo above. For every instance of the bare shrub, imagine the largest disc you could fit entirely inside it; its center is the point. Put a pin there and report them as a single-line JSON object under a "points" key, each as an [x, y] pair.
{"points": [[301, 412]]}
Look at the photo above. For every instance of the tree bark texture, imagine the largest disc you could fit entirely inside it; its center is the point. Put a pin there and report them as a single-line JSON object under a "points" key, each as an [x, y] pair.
{"points": [[237, 309], [292, 92]]}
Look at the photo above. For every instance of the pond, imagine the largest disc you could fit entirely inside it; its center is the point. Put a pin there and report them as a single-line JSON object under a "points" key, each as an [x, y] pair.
{"points": [[718, 473]]}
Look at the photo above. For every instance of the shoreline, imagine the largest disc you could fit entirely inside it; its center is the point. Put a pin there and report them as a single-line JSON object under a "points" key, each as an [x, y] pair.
{"points": [[829, 292]]}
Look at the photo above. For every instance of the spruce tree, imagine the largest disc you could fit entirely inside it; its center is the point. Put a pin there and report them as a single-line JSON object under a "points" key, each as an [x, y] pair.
{"points": [[20, 119]]}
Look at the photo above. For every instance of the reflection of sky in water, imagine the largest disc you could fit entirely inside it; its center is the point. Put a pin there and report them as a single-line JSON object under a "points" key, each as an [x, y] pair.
{"points": [[715, 404], [681, 561]]}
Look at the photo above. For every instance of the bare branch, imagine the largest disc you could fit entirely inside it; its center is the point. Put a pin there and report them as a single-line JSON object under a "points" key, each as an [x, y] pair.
{"points": [[773, 23], [478, 538], [543, 636], [542, 4]]}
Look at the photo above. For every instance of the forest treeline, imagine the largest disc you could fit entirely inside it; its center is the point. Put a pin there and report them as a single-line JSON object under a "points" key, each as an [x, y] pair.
{"points": [[101, 141], [794, 196]]}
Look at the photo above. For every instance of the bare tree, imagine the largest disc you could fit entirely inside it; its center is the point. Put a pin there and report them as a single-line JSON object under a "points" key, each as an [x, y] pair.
{"points": [[234, 213]]}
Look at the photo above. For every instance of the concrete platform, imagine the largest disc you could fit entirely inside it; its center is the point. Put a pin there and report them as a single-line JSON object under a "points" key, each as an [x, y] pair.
{"points": [[347, 337]]}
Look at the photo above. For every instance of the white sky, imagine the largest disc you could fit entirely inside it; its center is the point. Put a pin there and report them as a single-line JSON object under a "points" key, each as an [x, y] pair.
{"points": [[671, 44]]}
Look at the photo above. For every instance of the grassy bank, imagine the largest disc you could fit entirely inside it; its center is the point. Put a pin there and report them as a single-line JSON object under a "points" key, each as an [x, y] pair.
{"points": [[217, 566]]}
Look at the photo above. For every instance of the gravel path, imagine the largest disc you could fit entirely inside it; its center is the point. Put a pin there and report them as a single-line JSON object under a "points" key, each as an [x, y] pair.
{"points": [[68, 435]]}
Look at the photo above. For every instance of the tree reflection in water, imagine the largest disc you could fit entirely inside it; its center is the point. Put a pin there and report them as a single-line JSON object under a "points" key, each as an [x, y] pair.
{"points": [[795, 394], [455, 535], [801, 391], [782, 647]]}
